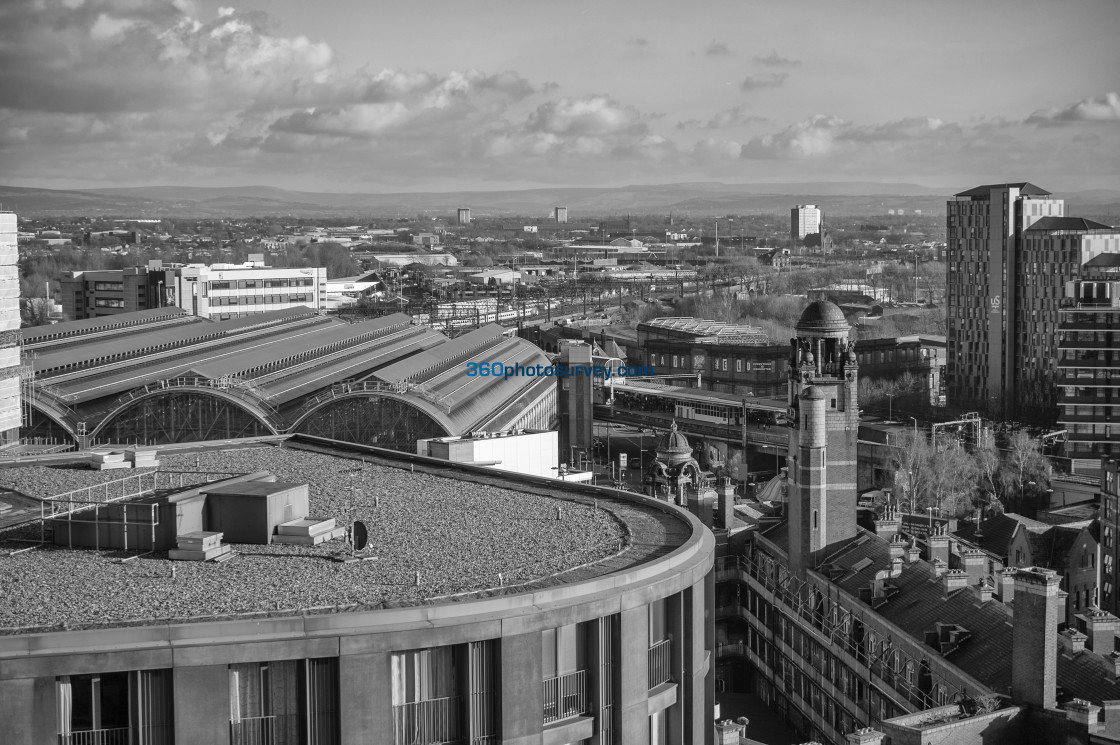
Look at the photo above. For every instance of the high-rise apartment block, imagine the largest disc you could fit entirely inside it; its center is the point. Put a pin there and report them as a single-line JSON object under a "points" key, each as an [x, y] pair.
{"points": [[804, 220], [561, 214], [9, 330], [1089, 366], [220, 291], [463, 216], [1010, 252]]}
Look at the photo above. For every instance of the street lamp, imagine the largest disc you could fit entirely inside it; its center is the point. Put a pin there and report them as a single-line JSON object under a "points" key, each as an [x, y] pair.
{"points": [[890, 406]]}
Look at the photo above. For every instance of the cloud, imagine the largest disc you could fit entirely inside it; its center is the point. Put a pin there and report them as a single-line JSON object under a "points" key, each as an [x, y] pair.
{"points": [[734, 117], [1103, 109], [776, 60], [640, 42], [763, 80], [807, 139], [717, 49]]}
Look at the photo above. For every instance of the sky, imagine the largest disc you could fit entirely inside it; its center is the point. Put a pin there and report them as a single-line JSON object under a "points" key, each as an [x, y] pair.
{"points": [[426, 95]]}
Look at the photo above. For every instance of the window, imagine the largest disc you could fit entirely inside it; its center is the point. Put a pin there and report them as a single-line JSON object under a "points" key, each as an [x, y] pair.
{"points": [[425, 695], [115, 707], [108, 287], [108, 303]]}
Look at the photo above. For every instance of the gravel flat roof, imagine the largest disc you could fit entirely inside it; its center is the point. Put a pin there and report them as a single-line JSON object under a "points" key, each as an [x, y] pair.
{"points": [[457, 533]]}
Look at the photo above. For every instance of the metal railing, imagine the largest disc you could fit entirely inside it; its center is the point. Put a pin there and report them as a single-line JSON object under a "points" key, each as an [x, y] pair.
{"points": [[116, 736], [437, 721], [252, 731], [565, 696], [660, 663]]}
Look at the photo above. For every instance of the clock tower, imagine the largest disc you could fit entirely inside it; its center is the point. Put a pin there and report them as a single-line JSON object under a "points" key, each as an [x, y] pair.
{"points": [[824, 426]]}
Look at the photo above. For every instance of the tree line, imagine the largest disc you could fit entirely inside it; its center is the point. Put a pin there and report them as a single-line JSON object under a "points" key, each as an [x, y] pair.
{"points": [[956, 482]]}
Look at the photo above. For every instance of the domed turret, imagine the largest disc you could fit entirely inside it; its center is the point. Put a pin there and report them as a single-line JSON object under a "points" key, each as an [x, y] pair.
{"points": [[674, 449], [822, 316]]}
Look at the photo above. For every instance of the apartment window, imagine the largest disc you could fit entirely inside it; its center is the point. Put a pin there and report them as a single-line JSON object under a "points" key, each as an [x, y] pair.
{"points": [[427, 706], [275, 703], [738, 366], [116, 707], [564, 658]]}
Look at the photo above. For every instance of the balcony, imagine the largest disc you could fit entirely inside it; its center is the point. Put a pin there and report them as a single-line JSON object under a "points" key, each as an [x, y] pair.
{"points": [[155, 735], [437, 721], [660, 663], [566, 696], [254, 730]]}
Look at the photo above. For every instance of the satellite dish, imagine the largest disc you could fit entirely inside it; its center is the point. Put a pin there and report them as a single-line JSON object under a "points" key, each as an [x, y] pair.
{"points": [[360, 535]]}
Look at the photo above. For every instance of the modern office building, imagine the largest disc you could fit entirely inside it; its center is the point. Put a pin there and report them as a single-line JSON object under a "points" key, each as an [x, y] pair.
{"points": [[553, 613], [893, 632], [1010, 252], [219, 291], [1089, 364], [804, 219], [10, 409]]}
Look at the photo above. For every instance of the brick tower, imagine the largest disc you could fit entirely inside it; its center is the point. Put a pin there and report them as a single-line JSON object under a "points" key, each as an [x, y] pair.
{"points": [[824, 422]]}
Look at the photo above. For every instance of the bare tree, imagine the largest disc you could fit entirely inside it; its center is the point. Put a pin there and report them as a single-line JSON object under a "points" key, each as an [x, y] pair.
{"points": [[1025, 464], [911, 461]]}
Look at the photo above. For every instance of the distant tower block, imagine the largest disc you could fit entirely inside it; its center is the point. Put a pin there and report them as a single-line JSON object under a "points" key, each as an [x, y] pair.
{"points": [[464, 215], [561, 214]]}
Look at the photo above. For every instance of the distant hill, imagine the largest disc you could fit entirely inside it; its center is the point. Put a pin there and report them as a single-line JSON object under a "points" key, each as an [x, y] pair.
{"points": [[700, 199]]}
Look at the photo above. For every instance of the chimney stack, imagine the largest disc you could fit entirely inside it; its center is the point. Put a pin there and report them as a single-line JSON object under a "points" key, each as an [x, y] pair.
{"points": [[725, 502], [975, 565], [888, 525], [937, 568], [955, 579], [1034, 638], [938, 544], [728, 732], [913, 553], [897, 547], [985, 590], [1005, 585], [865, 736], [1101, 627], [1084, 714], [1074, 640]]}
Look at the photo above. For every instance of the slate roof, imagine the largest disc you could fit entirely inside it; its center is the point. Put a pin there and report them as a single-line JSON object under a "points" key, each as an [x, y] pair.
{"points": [[920, 603], [1025, 188], [1104, 260], [1068, 223], [996, 533]]}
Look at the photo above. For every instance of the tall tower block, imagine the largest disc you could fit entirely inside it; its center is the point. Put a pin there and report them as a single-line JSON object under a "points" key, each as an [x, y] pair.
{"points": [[464, 216], [9, 330], [824, 423], [561, 214]]}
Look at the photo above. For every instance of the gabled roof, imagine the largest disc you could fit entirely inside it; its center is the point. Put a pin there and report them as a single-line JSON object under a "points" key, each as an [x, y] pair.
{"points": [[1068, 223], [921, 603], [1100, 260], [1025, 188]]}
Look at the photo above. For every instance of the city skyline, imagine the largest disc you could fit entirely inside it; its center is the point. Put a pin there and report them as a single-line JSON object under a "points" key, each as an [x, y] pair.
{"points": [[439, 96]]}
